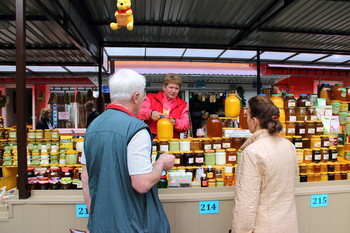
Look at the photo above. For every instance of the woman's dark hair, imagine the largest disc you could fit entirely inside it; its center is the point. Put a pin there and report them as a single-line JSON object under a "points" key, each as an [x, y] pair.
{"points": [[266, 112]]}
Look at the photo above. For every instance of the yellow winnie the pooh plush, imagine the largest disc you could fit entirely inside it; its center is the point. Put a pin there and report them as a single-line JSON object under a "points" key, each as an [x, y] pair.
{"points": [[123, 16]]}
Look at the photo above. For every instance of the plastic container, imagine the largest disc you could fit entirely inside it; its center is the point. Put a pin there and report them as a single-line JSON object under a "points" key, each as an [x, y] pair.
{"points": [[277, 100], [339, 92], [165, 129], [232, 106], [214, 126], [326, 93]]}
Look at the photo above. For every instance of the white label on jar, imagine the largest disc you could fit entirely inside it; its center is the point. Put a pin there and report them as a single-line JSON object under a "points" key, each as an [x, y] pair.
{"points": [[326, 156], [317, 157], [313, 118], [311, 131], [326, 143], [217, 146], [199, 159], [190, 160], [292, 118], [291, 130], [207, 147], [291, 104], [164, 148], [298, 144], [177, 161], [226, 145], [335, 155], [154, 148], [301, 131], [232, 158], [308, 157], [343, 94], [307, 104], [283, 130], [317, 144], [319, 129], [300, 156]]}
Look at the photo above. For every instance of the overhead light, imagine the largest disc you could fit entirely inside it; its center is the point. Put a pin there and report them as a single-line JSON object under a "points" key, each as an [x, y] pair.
{"points": [[240, 54], [311, 67], [275, 55], [83, 69], [46, 68], [7, 68], [336, 58], [125, 51], [307, 57], [209, 53]]}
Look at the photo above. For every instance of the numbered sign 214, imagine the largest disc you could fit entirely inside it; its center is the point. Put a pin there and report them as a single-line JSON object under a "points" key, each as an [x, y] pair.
{"points": [[209, 207]]}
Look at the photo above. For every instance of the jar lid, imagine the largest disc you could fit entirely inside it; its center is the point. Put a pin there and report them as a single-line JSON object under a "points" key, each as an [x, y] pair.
{"points": [[39, 130], [315, 136], [290, 95], [299, 121], [198, 151], [324, 148], [310, 164], [163, 140], [332, 148], [216, 138], [343, 102], [228, 174], [219, 179], [309, 121], [174, 140], [230, 149], [302, 164], [303, 95], [330, 163], [315, 149], [188, 152], [226, 138], [299, 150], [307, 149], [302, 174], [211, 180], [338, 84], [275, 95], [184, 139], [220, 150], [324, 136], [296, 136], [335, 101]]}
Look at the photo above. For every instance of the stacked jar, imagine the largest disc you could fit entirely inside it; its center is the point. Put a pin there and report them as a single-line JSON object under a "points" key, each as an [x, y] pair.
{"points": [[279, 103]]}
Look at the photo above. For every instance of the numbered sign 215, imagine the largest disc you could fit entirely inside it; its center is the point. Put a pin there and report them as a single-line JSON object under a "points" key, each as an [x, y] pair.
{"points": [[81, 211], [319, 200], [209, 207]]}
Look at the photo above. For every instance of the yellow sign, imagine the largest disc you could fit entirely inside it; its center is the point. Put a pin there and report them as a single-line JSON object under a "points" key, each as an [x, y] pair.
{"points": [[67, 142]]}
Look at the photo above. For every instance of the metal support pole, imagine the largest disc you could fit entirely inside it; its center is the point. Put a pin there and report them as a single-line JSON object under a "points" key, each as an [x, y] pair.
{"points": [[100, 101], [258, 79], [22, 181]]}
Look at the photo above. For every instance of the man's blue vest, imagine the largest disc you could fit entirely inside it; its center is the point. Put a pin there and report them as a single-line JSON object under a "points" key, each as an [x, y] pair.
{"points": [[115, 206]]}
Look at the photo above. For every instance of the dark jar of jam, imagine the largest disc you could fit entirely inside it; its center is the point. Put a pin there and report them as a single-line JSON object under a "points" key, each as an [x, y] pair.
{"points": [[30, 172], [198, 158], [43, 183], [188, 158], [178, 159], [300, 128], [316, 156]]}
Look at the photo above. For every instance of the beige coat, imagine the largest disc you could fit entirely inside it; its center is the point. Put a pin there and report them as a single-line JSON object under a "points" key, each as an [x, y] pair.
{"points": [[264, 195]]}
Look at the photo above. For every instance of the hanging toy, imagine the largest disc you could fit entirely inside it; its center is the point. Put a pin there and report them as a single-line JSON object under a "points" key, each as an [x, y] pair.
{"points": [[124, 16]]}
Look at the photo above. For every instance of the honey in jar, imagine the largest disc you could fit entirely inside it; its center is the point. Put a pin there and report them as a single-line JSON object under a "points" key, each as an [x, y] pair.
{"points": [[315, 142], [291, 114], [311, 114], [206, 144], [226, 142], [339, 92], [307, 155], [290, 101], [324, 154], [319, 127], [243, 116], [214, 126], [216, 143], [303, 101], [310, 128], [231, 156], [300, 128], [301, 113], [326, 92], [290, 128], [198, 158], [316, 156]]}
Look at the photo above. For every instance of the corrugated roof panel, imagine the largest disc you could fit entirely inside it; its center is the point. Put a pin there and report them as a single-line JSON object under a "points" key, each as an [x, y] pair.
{"points": [[314, 15]]}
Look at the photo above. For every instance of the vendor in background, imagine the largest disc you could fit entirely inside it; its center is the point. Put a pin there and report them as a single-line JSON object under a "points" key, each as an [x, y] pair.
{"points": [[90, 108], [166, 103], [45, 121]]}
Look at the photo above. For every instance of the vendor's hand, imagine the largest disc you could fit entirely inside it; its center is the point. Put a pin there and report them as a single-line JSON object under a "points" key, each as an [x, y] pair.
{"points": [[172, 120], [167, 160], [155, 115]]}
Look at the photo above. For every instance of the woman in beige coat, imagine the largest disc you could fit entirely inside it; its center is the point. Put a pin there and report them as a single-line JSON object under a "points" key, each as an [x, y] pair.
{"points": [[266, 175]]}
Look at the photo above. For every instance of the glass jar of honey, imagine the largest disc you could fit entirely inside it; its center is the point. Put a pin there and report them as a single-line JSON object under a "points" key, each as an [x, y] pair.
{"points": [[290, 101], [300, 155], [324, 167], [324, 154], [310, 167], [198, 158], [324, 141], [301, 113], [291, 114], [300, 128], [307, 156], [178, 158], [206, 144], [290, 128], [311, 114], [302, 168], [319, 127], [216, 143], [333, 154], [306, 143], [163, 145], [297, 141], [316, 155], [231, 156], [310, 129], [237, 142], [303, 101], [226, 142], [315, 142]]}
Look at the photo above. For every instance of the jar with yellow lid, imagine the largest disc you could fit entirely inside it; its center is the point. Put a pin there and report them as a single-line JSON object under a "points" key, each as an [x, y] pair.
{"points": [[343, 117], [323, 167], [290, 128], [13, 133], [300, 128], [333, 154], [297, 141], [277, 100], [39, 134], [310, 167], [55, 134], [307, 156], [344, 106], [219, 182], [206, 144], [310, 129], [302, 168], [335, 106], [319, 127], [220, 157], [340, 150], [211, 183], [303, 177], [300, 155], [195, 144], [317, 176], [71, 157], [316, 156], [315, 142], [163, 145], [231, 156], [226, 142], [185, 145], [47, 133], [324, 176], [216, 143], [31, 134], [306, 143], [174, 145]]}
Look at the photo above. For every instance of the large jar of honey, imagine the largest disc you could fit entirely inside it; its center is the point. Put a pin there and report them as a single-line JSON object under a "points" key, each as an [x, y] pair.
{"points": [[326, 92], [164, 128], [339, 92], [214, 126], [277, 100], [232, 106], [303, 101], [290, 101], [243, 116]]}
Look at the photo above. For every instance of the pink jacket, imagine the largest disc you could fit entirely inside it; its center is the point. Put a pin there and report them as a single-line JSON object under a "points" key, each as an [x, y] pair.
{"points": [[264, 199]]}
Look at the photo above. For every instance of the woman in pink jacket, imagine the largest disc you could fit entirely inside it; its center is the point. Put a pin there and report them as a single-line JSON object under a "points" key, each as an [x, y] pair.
{"points": [[264, 199]]}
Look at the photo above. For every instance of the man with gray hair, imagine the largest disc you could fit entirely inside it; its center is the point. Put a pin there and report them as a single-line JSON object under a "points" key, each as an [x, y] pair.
{"points": [[121, 193], [90, 108]]}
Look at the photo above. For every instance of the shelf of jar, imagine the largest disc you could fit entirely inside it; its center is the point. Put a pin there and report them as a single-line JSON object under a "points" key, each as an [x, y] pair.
{"points": [[48, 165]]}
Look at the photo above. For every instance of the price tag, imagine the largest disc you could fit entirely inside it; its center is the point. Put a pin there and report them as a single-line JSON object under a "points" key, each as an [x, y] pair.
{"points": [[209, 207], [319, 200], [81, 211]]}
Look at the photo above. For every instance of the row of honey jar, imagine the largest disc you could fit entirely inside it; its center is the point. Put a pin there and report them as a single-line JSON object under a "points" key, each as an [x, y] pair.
{"points": [[201, 157], [302, 128], [193, 144], [323, 176], [11, 133]]}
